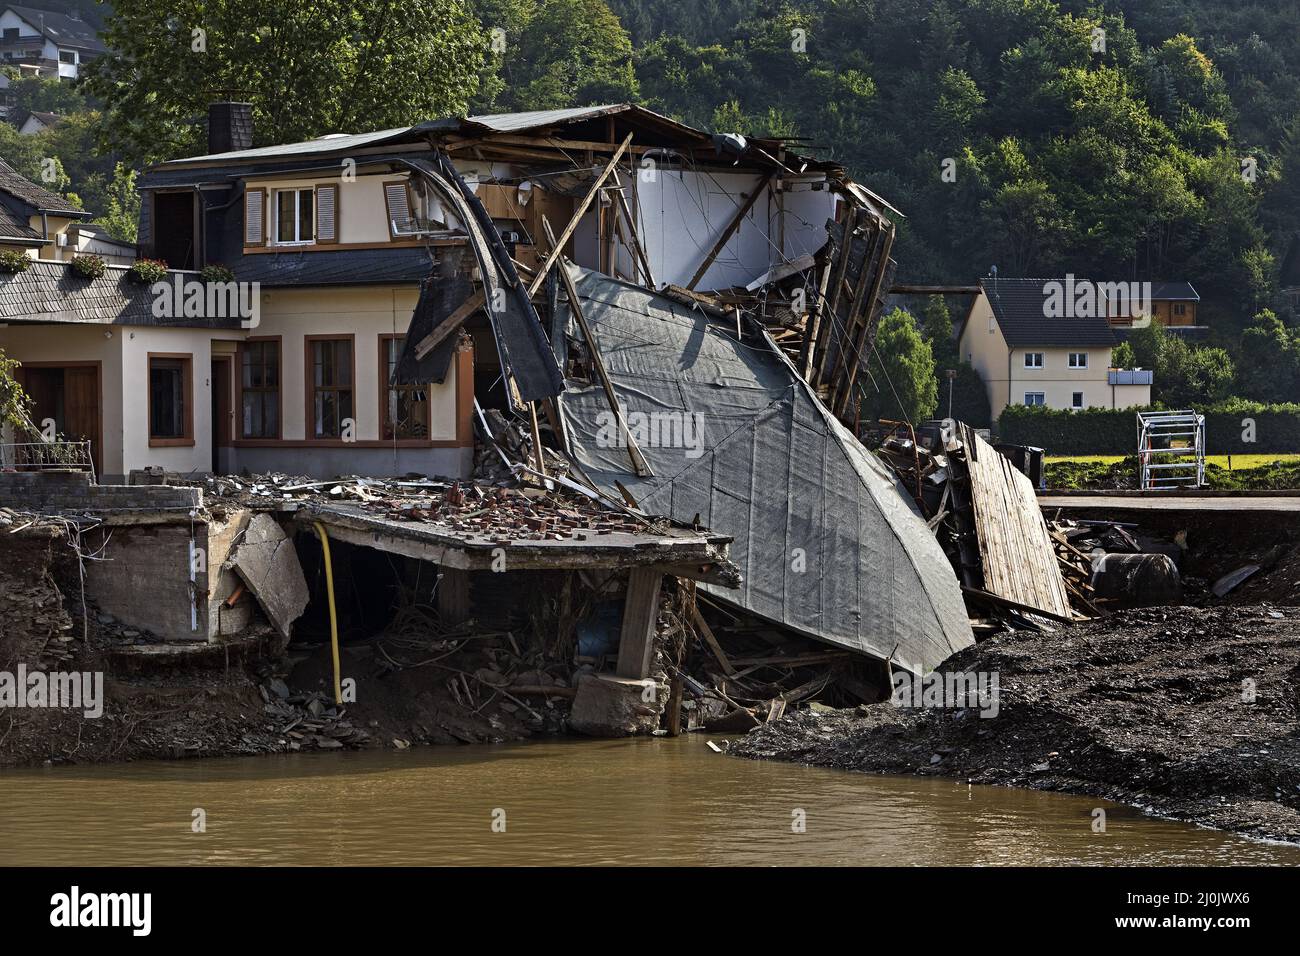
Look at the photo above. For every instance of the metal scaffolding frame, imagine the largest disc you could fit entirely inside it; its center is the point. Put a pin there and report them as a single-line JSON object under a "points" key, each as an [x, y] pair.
{"points": [[1157, 432]]}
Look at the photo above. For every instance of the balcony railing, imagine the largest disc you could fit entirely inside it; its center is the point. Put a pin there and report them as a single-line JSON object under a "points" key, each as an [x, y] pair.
{"points": [[1130, 376], [47, 455]]}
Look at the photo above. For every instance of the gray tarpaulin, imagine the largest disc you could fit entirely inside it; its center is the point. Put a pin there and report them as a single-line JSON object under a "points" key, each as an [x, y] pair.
{"points": [[827, 543]]}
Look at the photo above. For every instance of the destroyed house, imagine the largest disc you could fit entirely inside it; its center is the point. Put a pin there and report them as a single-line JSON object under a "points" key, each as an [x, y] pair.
{"points": [[342, 234], [681, 315]]}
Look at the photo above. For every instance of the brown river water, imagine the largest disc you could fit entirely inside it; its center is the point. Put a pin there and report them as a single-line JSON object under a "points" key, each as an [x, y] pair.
{"points": [[645, 801]]}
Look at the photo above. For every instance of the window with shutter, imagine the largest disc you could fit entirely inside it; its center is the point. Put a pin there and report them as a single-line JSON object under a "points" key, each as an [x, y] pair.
{"points": [[255, 217], [327, 203], [399, 208]]}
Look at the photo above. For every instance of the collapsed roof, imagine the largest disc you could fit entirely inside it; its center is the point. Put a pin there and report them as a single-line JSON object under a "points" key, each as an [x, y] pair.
{"points": [[736, 440]]}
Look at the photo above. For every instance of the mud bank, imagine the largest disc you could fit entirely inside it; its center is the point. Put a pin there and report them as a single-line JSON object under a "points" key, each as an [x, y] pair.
{"points": [[1148, 707]]}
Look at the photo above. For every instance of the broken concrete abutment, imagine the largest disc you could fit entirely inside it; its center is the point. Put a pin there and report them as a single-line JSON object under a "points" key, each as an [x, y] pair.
{"points": [[497, 611]]}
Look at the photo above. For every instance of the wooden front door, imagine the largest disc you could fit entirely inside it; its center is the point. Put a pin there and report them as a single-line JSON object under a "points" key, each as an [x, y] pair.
{"points": [[68, 395]]}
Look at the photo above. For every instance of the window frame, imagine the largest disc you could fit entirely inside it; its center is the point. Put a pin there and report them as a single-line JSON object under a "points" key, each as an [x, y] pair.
{"points": [[1041, 395], [309, 382], [187, 398], [297, 216], [240, 389], [384, 392], [1071, 364], [1042, 361], [1083, 402]]}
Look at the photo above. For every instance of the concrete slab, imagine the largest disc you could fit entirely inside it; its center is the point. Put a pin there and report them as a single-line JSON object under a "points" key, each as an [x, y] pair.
{"points": [[266, 560], [608, 706]]}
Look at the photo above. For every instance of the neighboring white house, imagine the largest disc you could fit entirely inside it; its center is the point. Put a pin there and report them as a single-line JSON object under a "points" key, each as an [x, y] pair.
{"points": [[56, 44], [1029, 353]]}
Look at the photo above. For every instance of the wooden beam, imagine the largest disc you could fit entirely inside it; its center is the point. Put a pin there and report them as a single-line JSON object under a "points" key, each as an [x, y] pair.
{"points": [[808, 350], [640, 615], [453, 595], [638, 460], [450, 324], [554, 254], [711, 641], [538, 457], [831, 304], [934, 290], [861, 343], [732, 226], [636, 233]]}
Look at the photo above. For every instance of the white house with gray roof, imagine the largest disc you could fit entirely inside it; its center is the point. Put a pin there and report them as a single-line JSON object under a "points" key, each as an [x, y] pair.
{"points": [[1048, 342]]}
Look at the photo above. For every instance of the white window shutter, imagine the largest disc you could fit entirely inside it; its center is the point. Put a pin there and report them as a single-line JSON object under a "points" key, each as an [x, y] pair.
{"points": [[254, 217], [327, 200], [399, 208]]}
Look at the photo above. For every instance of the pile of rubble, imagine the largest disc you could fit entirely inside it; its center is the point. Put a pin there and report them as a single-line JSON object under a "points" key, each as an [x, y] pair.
{"points": [[309, 720], [468, 509]]}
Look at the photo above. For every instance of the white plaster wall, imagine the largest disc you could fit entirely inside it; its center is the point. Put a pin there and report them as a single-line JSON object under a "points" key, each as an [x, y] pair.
{"points": [[366, 313], [682, 214], [79, 343]]}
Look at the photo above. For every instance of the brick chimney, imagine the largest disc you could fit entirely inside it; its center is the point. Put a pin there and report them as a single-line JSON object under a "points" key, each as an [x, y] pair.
{"points": [[230, 127]]}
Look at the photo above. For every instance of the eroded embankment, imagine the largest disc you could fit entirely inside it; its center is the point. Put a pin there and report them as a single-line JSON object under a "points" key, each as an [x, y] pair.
{"points": [[214, 700], [1189, 713]]}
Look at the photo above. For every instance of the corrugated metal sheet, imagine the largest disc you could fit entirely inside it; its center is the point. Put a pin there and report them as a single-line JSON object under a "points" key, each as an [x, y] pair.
{"points": [[826, 542]]}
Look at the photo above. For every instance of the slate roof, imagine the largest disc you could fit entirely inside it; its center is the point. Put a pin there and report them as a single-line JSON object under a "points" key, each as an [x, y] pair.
{"points": [[14, 223], [37, 197], [1174, 292], [61, 28], [340, 267], [1018, 305], [49, 292]]}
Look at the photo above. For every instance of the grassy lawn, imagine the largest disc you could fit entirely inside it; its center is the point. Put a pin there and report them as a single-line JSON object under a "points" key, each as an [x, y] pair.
{"points": [[1239, 462]]}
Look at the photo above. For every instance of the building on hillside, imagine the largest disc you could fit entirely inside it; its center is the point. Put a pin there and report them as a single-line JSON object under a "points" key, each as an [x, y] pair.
{"points": [[31, 122], [33, 218], [47, 43], [1175, 305], [1032, 346]]}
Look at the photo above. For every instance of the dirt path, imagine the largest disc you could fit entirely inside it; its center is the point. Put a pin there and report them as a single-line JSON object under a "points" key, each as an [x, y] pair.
{"points": [[1148, 707]]}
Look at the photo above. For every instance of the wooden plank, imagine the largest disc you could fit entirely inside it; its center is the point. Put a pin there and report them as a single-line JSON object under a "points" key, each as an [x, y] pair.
{"points": [[860, 346], [453, 595], [640, 615], [450, 324], [573, 222], [638, 459], [732, 226], [1017, 553], [636, 234], [711, 641]]}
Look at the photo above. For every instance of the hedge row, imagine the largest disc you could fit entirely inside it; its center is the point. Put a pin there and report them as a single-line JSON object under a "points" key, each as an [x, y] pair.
{"points": [[1103, 431]]}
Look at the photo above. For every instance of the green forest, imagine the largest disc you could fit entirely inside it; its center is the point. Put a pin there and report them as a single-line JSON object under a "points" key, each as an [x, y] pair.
{"points": [[1115, 139]]}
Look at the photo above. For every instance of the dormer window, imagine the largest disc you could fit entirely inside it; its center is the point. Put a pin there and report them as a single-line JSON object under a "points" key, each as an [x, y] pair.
{"points": [[295, 215]]}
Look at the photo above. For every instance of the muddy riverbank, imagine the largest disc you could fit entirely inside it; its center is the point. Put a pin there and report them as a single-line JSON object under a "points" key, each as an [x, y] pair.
{"points": [[1189, 713]]}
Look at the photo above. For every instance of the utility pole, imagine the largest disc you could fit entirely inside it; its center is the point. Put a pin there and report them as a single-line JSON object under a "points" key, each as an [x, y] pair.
{"points": [[952, 377]]}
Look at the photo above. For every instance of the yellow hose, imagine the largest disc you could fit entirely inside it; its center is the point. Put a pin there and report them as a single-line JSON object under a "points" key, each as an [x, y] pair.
{"points": [[334, 619]]}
